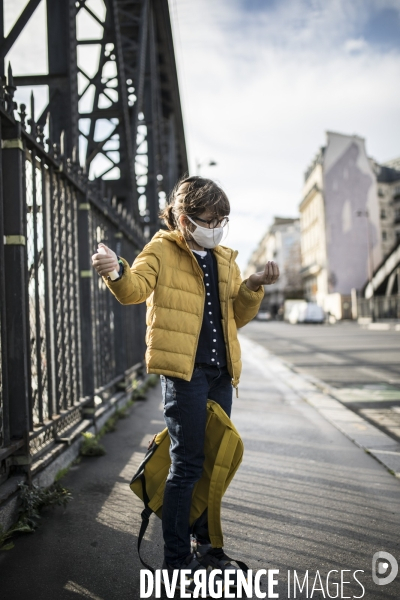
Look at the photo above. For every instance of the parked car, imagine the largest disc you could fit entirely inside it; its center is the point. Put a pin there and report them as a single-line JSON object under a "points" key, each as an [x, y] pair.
{"points": [[263, 315], [308, 312], [290, 305]]}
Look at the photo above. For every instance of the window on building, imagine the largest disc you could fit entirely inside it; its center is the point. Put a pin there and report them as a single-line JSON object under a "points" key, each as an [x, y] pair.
{"points": [[383, 213], [381, 193], [398, 236], [384, 235]]}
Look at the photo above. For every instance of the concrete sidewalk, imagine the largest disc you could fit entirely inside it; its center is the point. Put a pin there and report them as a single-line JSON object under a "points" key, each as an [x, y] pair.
{"points": [[305, 497]]}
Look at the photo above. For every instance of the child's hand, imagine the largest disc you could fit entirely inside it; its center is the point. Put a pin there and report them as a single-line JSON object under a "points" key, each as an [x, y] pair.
{"points": [[267, 277], [105, 263]]}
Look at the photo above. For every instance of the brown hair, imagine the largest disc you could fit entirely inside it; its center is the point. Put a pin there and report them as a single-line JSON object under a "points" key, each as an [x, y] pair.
{"points": [[192, 196]]}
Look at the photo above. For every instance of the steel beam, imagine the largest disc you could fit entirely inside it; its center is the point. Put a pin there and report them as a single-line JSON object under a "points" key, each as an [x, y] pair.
{"points": [[153, 130], [8, 42], [16, 290], [4, 407], [62, 59]]}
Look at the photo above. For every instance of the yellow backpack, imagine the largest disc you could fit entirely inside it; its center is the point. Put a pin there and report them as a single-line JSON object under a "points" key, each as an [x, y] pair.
{"points": [[223, 450]]}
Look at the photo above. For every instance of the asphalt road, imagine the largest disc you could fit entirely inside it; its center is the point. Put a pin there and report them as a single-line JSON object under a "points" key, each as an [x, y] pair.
{"points": [[305, 499], [362, 366]]}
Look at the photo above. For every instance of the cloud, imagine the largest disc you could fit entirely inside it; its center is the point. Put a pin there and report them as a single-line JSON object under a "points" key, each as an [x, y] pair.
{"points": [[261, 82], [261, 87], [355, 45]]}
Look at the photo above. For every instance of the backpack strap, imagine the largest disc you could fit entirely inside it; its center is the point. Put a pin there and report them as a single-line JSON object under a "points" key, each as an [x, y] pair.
{"points": [[239, 563], [218, 479], [146, 514]]}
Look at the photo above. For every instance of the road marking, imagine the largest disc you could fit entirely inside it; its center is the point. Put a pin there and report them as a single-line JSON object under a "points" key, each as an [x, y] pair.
{"points": [[384, 448], [379, 326], [365, 394], [71, 586], [298, 348], [330, 358], [379, 374]]}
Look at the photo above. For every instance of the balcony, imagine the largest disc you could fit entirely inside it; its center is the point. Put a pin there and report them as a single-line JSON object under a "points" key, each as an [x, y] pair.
{"points": [[309, 270]]}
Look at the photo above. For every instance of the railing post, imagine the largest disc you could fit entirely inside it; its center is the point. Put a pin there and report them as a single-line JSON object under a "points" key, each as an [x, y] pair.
{"points": [[119, 333], [85, 252], [4, 397], [16, 292]]}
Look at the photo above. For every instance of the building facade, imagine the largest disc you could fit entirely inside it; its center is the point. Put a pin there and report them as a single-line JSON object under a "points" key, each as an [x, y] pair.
{"points": [[388, 182], [347, 217], [281, 244]]}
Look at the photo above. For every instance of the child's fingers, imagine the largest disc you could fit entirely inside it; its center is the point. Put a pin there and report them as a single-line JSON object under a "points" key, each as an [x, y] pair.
{"points": [[110, 265], [267, 270], [102, 259], [104, 264], [106, 251], [271, 272], [108, 257]]}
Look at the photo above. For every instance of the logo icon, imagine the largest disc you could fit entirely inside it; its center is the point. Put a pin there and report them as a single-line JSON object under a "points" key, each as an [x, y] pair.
{"points": [[380, 566]]}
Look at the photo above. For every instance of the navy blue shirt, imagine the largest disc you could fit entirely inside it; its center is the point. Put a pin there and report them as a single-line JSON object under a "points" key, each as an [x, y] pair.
{"points": [[211, 346]]}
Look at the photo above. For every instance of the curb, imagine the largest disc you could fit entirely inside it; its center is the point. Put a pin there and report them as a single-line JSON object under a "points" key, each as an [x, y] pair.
{"points": [[382, 447], [379, 326], [46, 476], [46, 468]]}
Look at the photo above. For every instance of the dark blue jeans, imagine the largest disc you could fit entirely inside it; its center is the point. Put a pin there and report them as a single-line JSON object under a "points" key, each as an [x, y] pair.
{"points": [[185, 413]]}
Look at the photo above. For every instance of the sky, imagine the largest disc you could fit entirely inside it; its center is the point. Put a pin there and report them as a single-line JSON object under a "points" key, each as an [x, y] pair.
{"points": [[261, 82]]}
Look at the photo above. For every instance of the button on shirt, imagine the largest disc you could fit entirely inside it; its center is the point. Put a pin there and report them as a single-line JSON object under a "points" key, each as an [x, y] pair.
{"points": [[211, 346]]}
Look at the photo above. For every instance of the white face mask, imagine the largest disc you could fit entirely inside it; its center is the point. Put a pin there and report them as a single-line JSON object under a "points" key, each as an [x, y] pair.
{"points": [[208, 238]]}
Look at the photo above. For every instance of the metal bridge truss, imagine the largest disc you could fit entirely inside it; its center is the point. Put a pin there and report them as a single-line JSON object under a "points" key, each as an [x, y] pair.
{"points": [[94, 166], [113, 91]]}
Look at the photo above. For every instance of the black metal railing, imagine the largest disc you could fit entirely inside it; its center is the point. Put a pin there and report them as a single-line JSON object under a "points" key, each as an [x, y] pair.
{"points": [[65, 341], [379, 307]]}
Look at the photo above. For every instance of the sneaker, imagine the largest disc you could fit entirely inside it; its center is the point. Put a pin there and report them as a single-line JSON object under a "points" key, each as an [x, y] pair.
{"points": [[215, 558], [191, 562]]}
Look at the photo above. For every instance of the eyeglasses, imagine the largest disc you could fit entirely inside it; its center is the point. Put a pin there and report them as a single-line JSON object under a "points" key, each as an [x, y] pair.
{"points": [[212, 223]]}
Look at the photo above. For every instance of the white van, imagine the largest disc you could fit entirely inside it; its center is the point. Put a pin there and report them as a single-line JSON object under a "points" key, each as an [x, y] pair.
{"points": [[307, 312]]}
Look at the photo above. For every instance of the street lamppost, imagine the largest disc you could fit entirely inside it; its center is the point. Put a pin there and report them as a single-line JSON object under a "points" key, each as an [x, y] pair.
{"points": [[205, 163], [365, 213]]}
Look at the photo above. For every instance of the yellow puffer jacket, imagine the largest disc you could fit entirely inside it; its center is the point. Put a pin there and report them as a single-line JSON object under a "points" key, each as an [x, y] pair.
{"points": [[167, 275]]}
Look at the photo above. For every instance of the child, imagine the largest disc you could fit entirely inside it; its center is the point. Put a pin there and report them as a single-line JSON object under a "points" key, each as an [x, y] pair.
{"points": [[196, 301]]}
